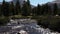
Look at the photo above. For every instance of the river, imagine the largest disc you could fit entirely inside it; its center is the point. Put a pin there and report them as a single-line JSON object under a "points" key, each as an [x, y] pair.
{"points": [[24, 26]]}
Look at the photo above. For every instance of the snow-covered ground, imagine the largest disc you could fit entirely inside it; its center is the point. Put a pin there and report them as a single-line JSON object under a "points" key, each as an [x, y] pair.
{"points": [[24, 26]]}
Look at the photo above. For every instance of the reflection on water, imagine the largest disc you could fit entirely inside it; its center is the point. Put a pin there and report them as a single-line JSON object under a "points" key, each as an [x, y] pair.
{"points": [[24, 26]]}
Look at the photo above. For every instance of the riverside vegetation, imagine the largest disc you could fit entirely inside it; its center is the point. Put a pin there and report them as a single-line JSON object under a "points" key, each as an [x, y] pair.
{"points": [[42, 13]]}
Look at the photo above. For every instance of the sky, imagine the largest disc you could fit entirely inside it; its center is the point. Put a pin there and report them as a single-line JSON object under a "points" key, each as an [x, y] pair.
{"points": [[6, 0], [35, 2]]}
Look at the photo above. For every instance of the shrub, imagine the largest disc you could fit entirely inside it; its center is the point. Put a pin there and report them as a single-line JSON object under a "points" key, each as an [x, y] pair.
{"points": [[50, 22], [4, 20]]}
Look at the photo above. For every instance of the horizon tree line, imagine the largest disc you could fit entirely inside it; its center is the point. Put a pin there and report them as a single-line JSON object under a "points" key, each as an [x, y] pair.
{"points": [[9, 9]]}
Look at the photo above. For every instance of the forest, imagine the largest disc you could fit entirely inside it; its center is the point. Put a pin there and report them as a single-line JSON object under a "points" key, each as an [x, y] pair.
{"points": [[46, 15]]}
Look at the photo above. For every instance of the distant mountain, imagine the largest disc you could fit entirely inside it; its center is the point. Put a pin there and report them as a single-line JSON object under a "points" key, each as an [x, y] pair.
{"points": [[52, 3], [21, 2]]}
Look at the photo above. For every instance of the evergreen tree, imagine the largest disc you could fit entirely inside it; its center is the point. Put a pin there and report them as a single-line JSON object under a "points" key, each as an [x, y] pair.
{"points": [[2, 7], [29, 7], [43, 9], [46, 9], [28, 2], [5, 8], [17, 8], [11, 9], [34, 11], [38, 10], [0, 11], [49, 10], [25, 9], [58, 12], [55, 9]]}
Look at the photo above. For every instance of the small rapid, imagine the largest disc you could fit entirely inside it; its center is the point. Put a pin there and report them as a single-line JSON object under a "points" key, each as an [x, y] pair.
{"points": [[24, 26]]}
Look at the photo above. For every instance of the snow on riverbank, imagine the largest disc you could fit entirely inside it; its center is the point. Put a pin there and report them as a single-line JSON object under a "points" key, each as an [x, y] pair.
{"points": [[25, 26]]}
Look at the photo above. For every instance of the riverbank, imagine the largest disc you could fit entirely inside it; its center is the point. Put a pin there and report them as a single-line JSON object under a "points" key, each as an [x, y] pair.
{"points": [[52, 22]]}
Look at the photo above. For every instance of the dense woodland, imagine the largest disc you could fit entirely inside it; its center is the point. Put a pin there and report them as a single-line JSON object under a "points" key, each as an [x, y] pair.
{"points": [[44, 14], [8, 9]]}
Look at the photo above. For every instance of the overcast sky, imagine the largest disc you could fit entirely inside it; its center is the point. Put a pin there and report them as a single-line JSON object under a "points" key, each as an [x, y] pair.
{"points": [[35, 2]]}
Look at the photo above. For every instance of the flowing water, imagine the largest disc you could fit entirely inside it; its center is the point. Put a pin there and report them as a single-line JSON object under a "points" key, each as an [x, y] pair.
{"points": [[24, 26]]}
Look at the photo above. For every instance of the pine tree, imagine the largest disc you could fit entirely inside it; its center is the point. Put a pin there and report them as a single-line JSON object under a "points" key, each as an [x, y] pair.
{"points": [[43, 9], [28, 2], [38, 10], [5, 8], [29, 9], [46, 9], [0, 11], [2, 7], [34, 11], [49, 10], [11, 9], [17, 8], [55, 9], [58, 13], [24, 9]]}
